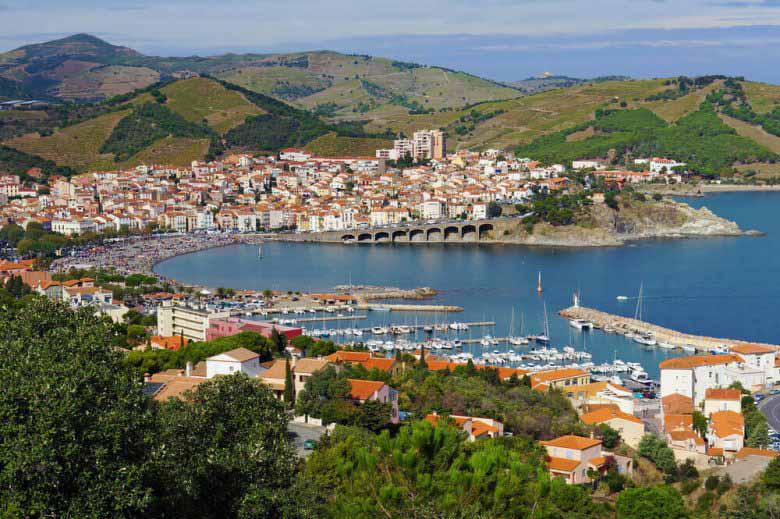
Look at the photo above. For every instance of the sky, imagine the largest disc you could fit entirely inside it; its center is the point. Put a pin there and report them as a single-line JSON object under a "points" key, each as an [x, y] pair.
{"points": [[500, 39]]}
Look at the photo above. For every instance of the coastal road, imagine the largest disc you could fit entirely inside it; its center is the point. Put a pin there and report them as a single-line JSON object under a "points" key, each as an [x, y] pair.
{"points": [[770, 406]]}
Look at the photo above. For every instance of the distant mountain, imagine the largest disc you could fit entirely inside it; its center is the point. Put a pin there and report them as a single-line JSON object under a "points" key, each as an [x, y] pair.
{"points": [[535, 85], [84, 67]]}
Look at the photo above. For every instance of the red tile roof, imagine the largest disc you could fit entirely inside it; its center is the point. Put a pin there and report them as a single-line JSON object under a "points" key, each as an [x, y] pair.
{"points": [[695, 361], [363, 389]]}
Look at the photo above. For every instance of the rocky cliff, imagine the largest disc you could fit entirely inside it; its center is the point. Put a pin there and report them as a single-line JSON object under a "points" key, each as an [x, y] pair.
{"points": [[603, 226]]}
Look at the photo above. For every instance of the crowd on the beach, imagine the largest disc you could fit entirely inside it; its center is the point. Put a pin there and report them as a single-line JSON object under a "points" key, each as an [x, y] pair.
{"points": [[139, 254]]}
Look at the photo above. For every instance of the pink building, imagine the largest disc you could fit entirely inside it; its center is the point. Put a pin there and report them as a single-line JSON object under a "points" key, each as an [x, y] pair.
{"points": [[233, 325]]}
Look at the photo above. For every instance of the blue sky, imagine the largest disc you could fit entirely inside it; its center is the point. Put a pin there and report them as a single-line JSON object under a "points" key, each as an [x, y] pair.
{"points": [[502, 39]]}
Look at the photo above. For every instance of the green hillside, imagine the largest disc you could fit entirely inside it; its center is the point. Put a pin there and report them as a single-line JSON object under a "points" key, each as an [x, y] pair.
{"points": [[175, 123]]}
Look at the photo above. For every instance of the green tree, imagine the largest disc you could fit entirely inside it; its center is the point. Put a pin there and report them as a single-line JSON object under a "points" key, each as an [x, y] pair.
{"points": [[771, 476], [73, 420], [289, 386], [700, 423], [227, 441], [609, 436], [659, 502]]}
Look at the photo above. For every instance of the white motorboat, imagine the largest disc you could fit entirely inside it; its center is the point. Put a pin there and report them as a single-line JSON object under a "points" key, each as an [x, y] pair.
{"points": [[646, 338], [581, 324], [688, 348], [487, 340], [640, 377], [622, 298], [666, 345], [378, 330]]}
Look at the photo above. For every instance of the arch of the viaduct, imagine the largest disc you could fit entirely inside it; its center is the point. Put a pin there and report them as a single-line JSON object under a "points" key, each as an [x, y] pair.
{"points": [[463, 232]]}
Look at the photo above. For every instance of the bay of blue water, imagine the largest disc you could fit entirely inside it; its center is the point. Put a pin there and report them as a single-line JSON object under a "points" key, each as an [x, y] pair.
{"points": [[720, 287]]}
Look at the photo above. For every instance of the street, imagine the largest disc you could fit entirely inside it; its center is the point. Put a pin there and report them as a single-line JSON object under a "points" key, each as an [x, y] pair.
{"points": [[300, 432], [771, 409]]}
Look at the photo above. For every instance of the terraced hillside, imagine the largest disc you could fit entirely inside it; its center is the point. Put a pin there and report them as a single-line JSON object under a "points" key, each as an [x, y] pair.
{"points": [[199, 99], [185, 120], [76, 146]]}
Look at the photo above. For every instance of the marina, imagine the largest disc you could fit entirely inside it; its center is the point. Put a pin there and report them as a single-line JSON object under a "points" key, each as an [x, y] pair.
{"points": [[705, 288]]}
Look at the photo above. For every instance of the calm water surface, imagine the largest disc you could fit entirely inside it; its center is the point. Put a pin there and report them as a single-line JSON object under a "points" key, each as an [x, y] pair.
{"points": [[721, 287]]}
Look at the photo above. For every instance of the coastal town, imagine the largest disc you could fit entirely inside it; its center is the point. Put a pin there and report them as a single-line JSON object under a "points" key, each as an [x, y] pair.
{"points": [[296, 190]]}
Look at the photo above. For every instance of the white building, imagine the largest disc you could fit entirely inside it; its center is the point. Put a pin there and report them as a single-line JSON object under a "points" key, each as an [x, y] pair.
{"points": [[660, 165], [240, 360], [693, 376], [184, 320]]}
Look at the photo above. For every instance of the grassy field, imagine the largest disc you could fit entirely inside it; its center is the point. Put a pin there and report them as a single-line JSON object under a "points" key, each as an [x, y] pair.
{"points": [[197, 99], [752, 132], [762, 169], [673, 110], [173, 151], [331, 145], [76, 146], [763, 97]]}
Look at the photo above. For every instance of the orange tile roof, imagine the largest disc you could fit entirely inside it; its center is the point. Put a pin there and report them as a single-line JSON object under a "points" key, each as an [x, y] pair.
{"points": [[695, 361], [480, 429], [752, 349], [677, 404], [562, 464], [557, 374], [173, 343], [607, 414], [363, 389], [715, 451], [572, 442], [380, 364], [308, 365], [598, 461], [723, 394], [349, 356], [684, 435], [750, 451], [727, 423], [676, 422]]}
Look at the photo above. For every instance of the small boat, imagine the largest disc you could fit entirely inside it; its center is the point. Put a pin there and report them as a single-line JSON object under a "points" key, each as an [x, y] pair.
{"points": [[666, 345], [640, 377], [689, 348], [622, 298], [518, 341], [487, 340], [378, 330], [428, 329], [646, 338], [609, 329], [581, 324]]}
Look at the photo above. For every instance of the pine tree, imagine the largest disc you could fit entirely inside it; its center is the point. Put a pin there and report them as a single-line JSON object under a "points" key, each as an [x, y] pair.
{"points": [[289, 388]]}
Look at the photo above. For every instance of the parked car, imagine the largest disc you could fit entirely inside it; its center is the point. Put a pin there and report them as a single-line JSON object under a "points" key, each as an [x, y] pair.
{"points": [[309, 444]]}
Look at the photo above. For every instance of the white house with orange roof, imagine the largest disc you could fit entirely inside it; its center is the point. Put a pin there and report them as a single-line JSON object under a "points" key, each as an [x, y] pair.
{"points": [[364, 390], [722, 400], [476, 428], [572, 457], [726, 431], [692, 376], [756, 356], [630, 427]]}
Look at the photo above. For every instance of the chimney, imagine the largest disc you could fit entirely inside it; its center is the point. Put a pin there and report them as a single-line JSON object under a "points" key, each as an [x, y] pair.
{"points": [[188, 369], [147, 378]]}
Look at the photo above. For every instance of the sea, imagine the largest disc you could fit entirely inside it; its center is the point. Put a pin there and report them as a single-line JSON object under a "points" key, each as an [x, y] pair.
{"points": [[720, 287]]}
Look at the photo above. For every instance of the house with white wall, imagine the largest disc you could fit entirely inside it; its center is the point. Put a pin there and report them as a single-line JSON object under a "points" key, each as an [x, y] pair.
{"points": [[240, 360]]}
